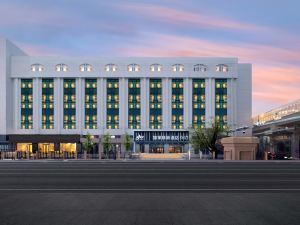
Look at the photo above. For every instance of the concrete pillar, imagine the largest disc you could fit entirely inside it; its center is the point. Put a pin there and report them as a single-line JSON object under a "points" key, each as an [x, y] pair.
{"points": [[145, 90], [147, 148], [123, 149], [79, 105], [166, 148], [100, 150], [101, 105], [17, 103], [37, 109], [231, 105], [123, 104], [295, 138], [186, 147], [188, 111], [99, 99], [136, 147], [166, 103], [210, 101], [58, 105]]}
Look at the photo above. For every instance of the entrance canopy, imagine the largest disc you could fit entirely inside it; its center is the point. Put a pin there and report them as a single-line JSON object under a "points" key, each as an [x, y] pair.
{"points": [[161, 137]]}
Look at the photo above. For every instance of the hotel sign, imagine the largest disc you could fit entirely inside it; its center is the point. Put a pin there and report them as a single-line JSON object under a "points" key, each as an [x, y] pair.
{"points": [[161, 137]]}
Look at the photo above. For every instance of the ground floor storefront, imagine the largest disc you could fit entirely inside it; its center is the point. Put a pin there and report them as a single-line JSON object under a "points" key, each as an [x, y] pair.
{"points": [[72, 146]]}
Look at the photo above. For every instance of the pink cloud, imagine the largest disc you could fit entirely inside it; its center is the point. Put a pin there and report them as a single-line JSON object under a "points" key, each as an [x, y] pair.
{"points": [[40, 50], [177, 16], [171, 45], [275, 82]]}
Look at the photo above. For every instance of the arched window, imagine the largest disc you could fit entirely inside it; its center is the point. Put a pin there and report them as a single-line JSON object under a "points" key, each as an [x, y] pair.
{"points": [[200, 68], [222, 68], [178, 68], [85, 67], [61, 67], [110, 67], [133, 68], [37, 68], [156, 68]]}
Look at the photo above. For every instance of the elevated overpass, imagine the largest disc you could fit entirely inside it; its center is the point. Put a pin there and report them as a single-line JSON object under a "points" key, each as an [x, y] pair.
{"points": [[279, 130]]}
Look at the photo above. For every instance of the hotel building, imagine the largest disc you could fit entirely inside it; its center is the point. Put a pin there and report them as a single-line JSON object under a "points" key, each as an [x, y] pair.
{"points": [[50, 103]]}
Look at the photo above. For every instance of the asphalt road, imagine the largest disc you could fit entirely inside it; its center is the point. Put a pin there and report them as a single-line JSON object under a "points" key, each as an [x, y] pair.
{"points": [[93, 192]]}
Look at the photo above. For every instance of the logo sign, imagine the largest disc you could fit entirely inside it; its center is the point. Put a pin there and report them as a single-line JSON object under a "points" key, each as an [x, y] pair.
{"points": [[162, 137], [139, 137]]}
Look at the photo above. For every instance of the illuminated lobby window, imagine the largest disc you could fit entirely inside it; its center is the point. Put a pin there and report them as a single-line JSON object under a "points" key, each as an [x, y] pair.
{"points": [[47, 104], [155, 102], [24, 147], [198, 103], [177, 103], [26, 104], [221, 101], [69, 104], [46, 147], [68, 147], [134, 103], [112, 104], [90, 103]]}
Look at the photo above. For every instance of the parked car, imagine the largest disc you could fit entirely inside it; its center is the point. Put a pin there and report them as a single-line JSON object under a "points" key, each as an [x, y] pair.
{"points": [[279, 156]]}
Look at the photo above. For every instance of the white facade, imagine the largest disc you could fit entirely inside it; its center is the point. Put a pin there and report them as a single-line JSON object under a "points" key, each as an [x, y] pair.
{"points": [[16, 65]]}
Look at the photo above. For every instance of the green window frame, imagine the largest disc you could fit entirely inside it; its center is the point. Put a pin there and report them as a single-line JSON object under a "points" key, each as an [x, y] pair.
{"points": [[69, 103], [26, 104], [177, 104], [112, 104], [134, 104], [47, 104], [90, 104], [155, 104], [198, 103], [221, 102]]}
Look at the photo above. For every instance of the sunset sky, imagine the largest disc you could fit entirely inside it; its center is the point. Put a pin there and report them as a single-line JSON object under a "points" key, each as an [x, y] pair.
{"points": [[265, 33]]}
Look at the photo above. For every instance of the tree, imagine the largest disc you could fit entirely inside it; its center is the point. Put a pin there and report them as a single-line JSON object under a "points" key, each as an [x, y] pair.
{"points": [[206, 138], [107, 145], [127, 142], [88, 143]]}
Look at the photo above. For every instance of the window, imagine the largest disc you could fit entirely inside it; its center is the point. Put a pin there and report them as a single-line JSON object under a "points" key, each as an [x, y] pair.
{"points": [[91, 103], [37, 68], [178, 68], [110, 68], [177, 103], [26, 104], [200, 68], [61, 68], [222, 68], [85, 67], [156, 68], [133, 68], [134, 101], [47, 103]]}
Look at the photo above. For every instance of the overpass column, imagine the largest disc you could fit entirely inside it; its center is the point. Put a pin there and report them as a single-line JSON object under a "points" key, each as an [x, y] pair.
{"points": [[295, 144]]}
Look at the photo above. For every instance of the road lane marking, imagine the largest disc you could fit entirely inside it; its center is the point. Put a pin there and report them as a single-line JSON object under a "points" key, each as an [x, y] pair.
{"points": [[149, 189], [156, 169], [152, 173]]}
